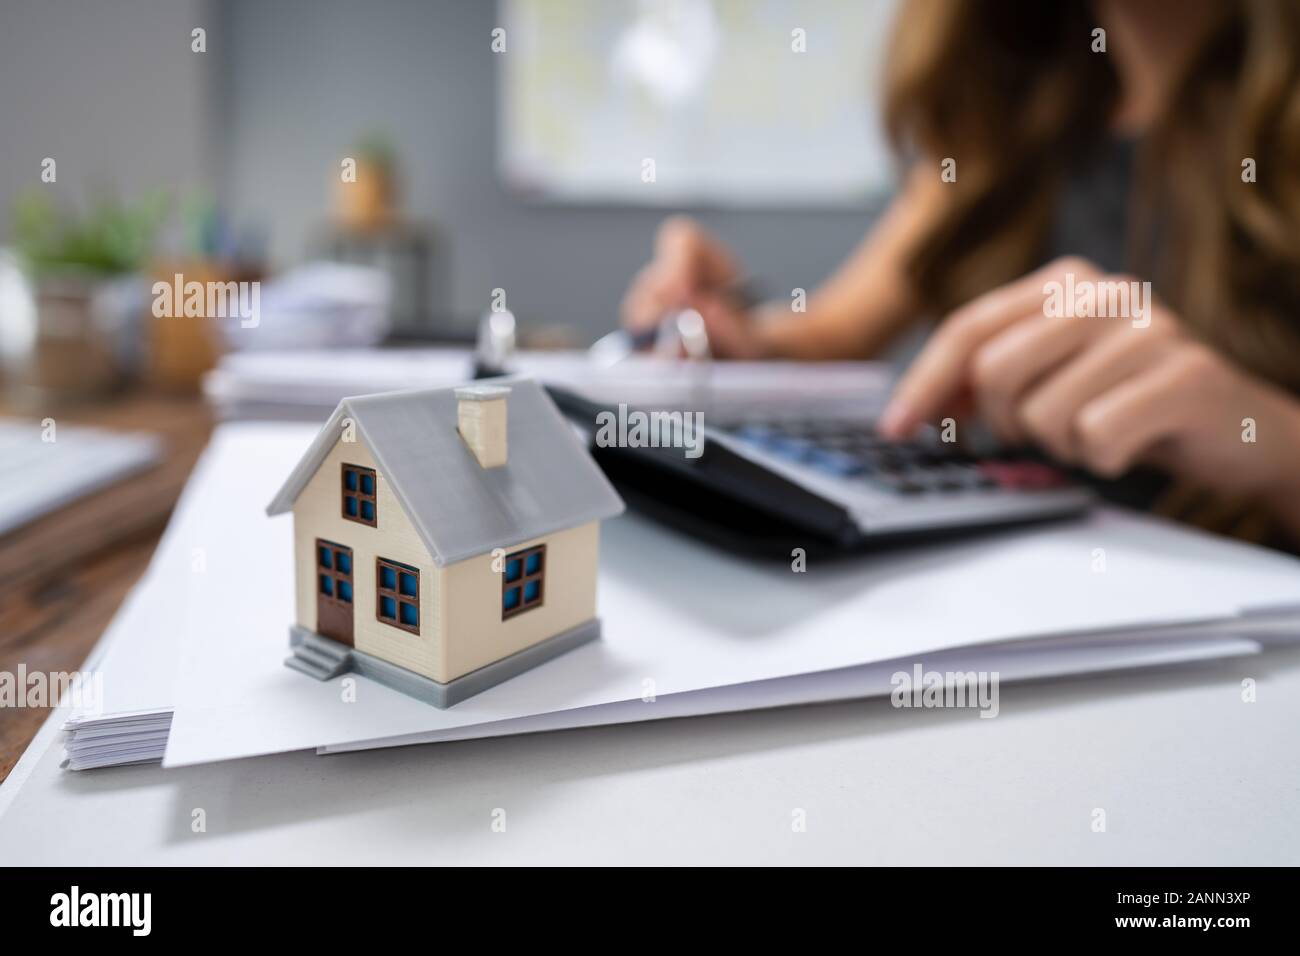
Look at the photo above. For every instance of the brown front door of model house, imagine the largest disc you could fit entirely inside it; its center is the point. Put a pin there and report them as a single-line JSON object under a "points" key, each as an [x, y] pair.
{"points": [[334, 591]]}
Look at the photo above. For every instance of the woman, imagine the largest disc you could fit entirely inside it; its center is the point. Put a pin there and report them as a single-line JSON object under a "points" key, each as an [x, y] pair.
{"points": [[1054, 147]]}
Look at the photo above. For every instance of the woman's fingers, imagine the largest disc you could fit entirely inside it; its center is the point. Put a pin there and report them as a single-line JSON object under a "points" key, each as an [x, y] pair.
{"points": [[1115, 428], [692, 260], [688, 261], [730, 330], [647, 299], [1047, 413], [1012, 362], [942, 371]]}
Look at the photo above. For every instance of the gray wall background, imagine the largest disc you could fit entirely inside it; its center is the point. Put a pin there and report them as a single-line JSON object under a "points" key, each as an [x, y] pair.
{"points": [[287, 87], [304, 78], [110, 90]]}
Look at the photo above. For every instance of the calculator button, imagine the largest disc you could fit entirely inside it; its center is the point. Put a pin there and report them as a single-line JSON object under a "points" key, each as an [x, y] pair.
{"points": [[1023, 475], [791, 447], [1036, 475], [758, 434], [836, 462], [899, 483], [970, 476]]}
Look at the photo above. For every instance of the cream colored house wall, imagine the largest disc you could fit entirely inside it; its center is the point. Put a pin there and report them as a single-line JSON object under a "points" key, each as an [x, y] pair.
{"points": [[476, 635], [318, 514]]}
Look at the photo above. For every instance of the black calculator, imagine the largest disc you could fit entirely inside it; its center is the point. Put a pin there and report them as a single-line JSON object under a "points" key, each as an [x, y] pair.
{"points": [[769, 480]]}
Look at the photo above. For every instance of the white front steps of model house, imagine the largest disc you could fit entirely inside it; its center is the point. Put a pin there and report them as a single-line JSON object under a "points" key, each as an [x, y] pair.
{"points": [[319, 657]]}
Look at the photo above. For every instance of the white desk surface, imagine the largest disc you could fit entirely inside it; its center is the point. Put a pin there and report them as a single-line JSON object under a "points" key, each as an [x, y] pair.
{"points": [[1186, 772]]}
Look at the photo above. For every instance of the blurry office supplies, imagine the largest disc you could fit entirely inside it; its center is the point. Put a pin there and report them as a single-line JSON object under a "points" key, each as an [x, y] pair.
{"points": [[666, 339], [67, 337], [44, 466], [369, 230], [183, 346], [613, 347], [693, 334], [307, 384], [367, 189], [200, 262], [679, 332], [317, 305], [401, 252], [495, 348]]}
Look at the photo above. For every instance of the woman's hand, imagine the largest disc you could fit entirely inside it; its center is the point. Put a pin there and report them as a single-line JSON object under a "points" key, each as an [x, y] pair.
{"points": [[692, 269], [1104, 392]]}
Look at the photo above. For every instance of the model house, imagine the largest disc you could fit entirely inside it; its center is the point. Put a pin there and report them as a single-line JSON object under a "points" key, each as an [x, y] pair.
{"points": [[444, 539]]}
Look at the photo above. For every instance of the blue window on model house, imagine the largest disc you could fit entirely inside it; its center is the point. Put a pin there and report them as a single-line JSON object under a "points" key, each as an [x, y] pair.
{"points": [[397, 589], [523, 581], [359, 494]]}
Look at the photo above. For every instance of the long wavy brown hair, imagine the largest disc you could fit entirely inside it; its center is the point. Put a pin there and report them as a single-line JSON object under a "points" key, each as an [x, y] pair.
{"points": [[1014, 92]]}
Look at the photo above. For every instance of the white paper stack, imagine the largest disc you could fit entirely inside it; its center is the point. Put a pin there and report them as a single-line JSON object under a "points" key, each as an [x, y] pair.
{"points": [[306, 385], [115, 740], [687, 629]]}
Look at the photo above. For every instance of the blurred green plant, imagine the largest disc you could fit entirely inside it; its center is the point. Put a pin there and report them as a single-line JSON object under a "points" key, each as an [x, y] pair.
{"points": [[378, 148], [111, 238]]}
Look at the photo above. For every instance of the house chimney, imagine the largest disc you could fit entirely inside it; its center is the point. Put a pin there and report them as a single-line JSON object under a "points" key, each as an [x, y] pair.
{"points": [[481, 420]]}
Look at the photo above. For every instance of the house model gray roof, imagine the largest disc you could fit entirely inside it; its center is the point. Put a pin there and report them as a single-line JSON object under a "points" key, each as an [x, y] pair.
{"points": [[459, 508]]}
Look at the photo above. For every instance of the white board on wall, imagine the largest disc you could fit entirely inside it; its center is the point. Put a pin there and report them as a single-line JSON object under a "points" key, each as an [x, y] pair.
{"points": [[728, 102]]}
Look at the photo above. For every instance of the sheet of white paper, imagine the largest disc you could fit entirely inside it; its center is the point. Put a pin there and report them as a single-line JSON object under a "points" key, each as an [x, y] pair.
{"points": [[675, 612], [316, 379], [850, 683], [139, 652]]}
